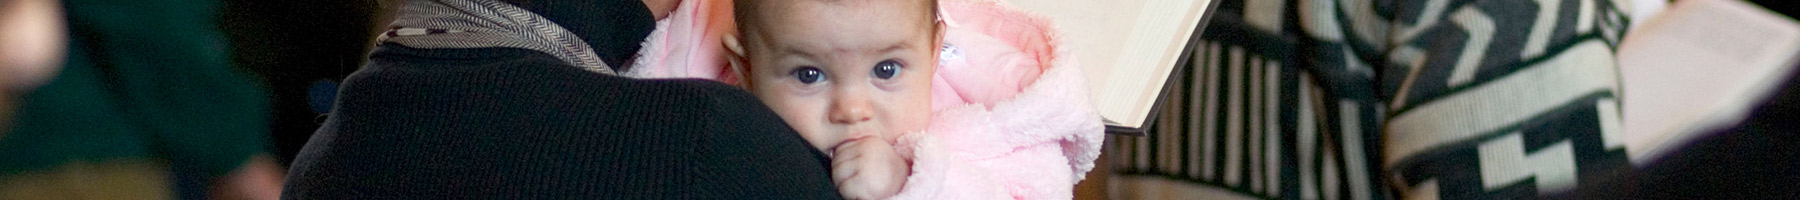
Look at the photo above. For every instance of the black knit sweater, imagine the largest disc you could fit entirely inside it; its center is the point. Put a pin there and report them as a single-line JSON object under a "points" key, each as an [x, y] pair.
{"points": [[517, 124]]}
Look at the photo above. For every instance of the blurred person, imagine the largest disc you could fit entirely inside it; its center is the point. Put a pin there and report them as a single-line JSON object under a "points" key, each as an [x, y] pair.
{"points": [[123, 100], [30, 48], [299, 51]]}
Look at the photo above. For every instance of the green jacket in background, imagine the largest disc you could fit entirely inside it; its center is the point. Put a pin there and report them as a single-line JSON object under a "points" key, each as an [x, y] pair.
{"points": [[144, 81]]}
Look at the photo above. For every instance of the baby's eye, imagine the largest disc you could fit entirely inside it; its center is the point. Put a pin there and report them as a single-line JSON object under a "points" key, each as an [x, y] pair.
{"points": [[886, 69], [809, 75]]}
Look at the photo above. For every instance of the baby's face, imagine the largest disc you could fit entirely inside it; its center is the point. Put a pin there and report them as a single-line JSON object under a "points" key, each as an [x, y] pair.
{"points": [[846, 69]]}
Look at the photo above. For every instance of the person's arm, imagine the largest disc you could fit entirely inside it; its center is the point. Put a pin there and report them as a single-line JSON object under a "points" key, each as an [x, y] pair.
{"points": [[755, 154], [31, 44], [258, 179]]}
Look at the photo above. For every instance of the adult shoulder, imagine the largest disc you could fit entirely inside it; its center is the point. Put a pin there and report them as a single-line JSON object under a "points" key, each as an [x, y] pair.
{"points": [[500, 123]]}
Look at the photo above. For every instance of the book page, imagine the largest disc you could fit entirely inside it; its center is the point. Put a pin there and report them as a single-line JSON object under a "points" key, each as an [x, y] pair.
{"points": [[1126, 47], [1703, 64]]}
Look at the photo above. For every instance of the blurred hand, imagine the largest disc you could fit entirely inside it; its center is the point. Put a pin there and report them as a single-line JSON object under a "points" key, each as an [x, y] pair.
{"points": [[662, 8], [258, 179], [868, 168], [31, 43]]}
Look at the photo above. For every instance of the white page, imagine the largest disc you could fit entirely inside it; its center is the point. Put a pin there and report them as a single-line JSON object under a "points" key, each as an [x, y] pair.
{"points": [[1702, 64], [1127, 47]]}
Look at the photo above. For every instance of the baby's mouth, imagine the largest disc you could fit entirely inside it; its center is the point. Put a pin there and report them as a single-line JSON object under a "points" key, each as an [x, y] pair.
{"points": [[855, 136], [832, 151]]}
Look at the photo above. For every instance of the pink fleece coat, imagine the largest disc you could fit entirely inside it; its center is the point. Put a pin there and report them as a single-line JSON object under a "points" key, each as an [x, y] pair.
{"points": [[1011, 118]]}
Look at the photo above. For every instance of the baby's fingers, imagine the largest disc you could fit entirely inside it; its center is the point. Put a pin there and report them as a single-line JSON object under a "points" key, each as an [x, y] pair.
{"points": [[851, 182], [862, 187], [854, 190], [843, 169]]}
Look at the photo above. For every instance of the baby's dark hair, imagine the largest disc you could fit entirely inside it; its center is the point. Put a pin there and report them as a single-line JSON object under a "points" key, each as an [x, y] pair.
{"points": [[745, 11]]}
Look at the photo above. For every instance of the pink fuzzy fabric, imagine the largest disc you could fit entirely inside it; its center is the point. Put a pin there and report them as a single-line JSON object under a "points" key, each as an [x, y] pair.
{"points": [[1011, 118], [688, 44]]}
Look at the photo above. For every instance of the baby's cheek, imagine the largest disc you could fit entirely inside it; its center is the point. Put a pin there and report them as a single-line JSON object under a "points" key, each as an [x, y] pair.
{"points": [[916, 114]]}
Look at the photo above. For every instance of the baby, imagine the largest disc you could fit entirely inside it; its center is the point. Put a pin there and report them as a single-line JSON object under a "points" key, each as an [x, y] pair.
{"points": [[849, 75], [910, 106]]}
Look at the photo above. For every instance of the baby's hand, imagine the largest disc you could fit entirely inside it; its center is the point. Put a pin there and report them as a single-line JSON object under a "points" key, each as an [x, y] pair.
{"points": [[868, 168]]}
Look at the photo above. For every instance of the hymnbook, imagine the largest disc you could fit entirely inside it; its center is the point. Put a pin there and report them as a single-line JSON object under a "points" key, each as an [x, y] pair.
{"points": [[1701, 65], [1128, 48]]}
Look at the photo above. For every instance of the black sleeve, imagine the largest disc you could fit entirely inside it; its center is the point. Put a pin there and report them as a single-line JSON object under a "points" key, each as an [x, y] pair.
{"points": [[504, 123], [753, 153]]}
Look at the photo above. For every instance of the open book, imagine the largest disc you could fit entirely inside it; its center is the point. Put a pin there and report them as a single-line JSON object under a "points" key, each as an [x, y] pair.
{"points": [[1128, 48], [1701, 65]]}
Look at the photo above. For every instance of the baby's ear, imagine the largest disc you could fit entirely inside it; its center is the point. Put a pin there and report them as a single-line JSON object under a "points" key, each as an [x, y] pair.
{"points": [[938, 37], [940, 25], [937, 42], [732, 44], [736, 58]]}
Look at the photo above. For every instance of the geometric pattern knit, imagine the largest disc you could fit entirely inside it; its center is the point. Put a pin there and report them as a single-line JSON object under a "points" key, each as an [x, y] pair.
{"points": [[1323, 99]]}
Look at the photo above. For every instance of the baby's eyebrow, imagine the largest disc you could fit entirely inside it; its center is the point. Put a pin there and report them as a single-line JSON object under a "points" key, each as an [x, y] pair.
{"points": [[902, 45], [791, 51], [897, 46]]}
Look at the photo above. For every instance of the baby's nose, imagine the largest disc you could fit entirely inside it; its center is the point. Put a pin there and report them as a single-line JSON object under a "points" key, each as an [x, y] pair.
{"points": [[851, 110]]}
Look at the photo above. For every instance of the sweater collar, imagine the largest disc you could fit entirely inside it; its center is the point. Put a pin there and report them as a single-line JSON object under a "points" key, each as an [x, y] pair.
{"points": [[614, 28], [437, 24]]}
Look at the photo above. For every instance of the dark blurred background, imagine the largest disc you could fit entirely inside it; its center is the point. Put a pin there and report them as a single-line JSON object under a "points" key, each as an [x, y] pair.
{"points": [[300, 50]]}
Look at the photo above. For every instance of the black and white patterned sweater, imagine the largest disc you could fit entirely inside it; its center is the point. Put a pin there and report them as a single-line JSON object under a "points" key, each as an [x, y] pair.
{"points": [[1393, 99]]}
